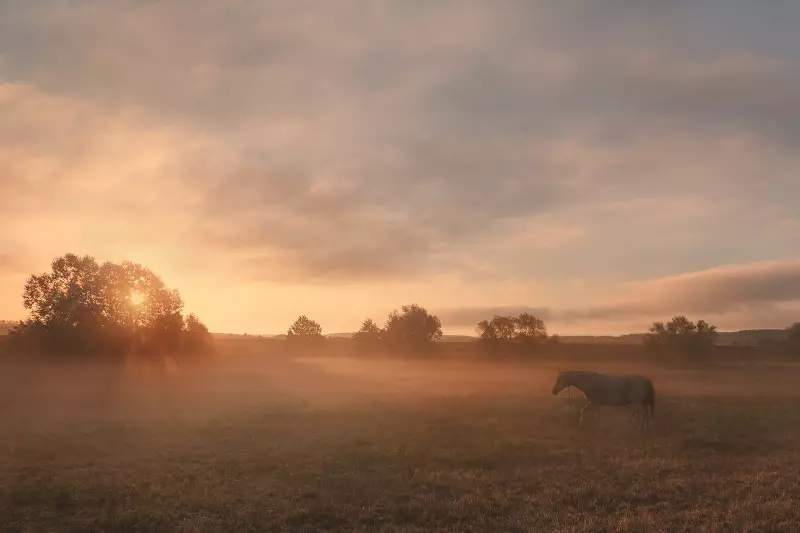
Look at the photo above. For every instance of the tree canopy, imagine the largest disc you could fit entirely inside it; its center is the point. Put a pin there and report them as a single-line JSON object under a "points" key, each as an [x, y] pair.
{"points": [[305, 330], [369, 333], [81, 305], [681, 334], [524, 329], [412, 327]]}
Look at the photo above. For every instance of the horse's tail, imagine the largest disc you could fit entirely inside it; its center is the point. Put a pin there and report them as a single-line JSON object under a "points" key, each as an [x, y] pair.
{"points": [[650, 398]]}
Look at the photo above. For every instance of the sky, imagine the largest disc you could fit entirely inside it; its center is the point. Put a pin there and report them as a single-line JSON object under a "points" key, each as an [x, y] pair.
{"points": [[601, 164]]}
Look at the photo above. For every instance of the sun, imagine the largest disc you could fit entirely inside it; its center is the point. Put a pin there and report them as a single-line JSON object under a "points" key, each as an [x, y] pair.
{"points": [[137, 298]]}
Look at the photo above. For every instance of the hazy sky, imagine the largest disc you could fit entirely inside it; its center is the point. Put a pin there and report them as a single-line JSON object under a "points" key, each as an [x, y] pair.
{"points": [[603, 163]]}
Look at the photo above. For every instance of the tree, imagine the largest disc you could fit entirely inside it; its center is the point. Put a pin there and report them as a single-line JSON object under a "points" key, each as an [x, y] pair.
{"points": [[166, 332], [369, 333], [305, 331], [524, 329], [197, 336], [487, 331], [413, 328], [82, 306], [529, 329], [498, 329], [682, 335]]}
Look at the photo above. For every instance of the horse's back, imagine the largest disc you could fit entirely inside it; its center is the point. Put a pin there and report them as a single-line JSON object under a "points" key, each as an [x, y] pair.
{"points": [[620, 389], [639, 387]]}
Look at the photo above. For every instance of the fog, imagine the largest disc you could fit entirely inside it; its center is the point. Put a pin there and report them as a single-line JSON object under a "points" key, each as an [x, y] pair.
{"points": [[42, 393], [46, 396]]}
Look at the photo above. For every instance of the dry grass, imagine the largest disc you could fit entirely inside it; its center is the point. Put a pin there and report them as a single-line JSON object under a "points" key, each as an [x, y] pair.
{"points": [[350, 446]]}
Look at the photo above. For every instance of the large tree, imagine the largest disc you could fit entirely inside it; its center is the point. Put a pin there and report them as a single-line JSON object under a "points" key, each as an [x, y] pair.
{"points": [[82, 305], [413, 327]]}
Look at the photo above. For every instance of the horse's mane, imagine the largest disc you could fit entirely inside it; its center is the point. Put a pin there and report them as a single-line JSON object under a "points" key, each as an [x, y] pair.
{"points": [[574, 373]]}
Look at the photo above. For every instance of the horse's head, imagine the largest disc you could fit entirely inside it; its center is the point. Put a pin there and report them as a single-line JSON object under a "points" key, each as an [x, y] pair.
{"points": [[559, 384]]}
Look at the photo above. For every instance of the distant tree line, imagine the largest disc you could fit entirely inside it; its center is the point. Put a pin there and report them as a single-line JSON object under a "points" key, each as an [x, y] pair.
{"points": [[681, 335], [411, 328], [82, 306]]}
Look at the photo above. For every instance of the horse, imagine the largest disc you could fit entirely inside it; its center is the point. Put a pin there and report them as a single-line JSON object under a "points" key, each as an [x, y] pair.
{"points": [[602, 389]]}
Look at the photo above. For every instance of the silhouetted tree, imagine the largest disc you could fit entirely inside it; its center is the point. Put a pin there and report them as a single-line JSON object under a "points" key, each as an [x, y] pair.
{"points": [[369, 334], [413, 327], [166, 332], [196, 335], [682, 335], [487, 331], [305, 331], [524, 329], [81, 306], [529, 329]]}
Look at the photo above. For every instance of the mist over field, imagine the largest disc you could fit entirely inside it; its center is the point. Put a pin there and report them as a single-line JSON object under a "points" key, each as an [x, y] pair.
{"points": [[257, 440]]}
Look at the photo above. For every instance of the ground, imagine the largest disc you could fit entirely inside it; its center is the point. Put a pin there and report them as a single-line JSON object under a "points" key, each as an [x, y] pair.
{"points": [[355, 445]]}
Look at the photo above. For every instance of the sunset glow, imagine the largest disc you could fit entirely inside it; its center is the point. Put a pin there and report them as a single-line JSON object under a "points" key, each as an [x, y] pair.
{"points": [[137, 298], [272, 159]]}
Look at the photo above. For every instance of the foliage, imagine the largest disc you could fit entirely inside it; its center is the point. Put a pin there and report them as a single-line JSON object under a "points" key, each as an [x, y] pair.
{"points": [[197, 336], [413, 327], [681, 335], [529, 329], [369, 334], [524, 329], [305, 331], [499, 328], [81, 306]]}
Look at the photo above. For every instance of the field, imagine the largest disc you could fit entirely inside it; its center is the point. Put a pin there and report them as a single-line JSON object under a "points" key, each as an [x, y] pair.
{"points": [[253, 443]]}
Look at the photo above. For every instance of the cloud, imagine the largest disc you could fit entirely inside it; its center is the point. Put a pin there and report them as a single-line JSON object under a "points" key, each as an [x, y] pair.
{"points": [[470, 316], [77, 178], [307, 143], [729, 293], [725, 289], [9, 264]]}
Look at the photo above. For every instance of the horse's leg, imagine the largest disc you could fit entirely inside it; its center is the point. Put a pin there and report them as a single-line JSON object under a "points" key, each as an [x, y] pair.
{"points": [[643, 412], [588, 404]]}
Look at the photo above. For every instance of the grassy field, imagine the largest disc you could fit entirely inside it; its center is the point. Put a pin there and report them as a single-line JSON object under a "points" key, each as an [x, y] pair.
{"points": [[264, 444]]}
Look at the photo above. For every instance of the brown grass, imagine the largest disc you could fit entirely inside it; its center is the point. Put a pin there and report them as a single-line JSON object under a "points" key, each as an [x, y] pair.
{"points": [[254, 444]]}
